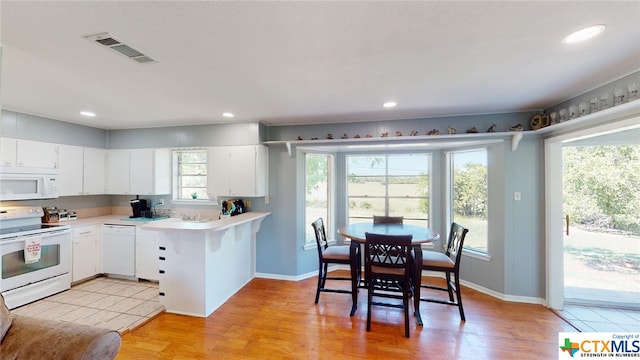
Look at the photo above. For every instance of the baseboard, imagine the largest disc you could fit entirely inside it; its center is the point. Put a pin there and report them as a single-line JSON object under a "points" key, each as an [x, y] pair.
{"points": [[476, 287]]}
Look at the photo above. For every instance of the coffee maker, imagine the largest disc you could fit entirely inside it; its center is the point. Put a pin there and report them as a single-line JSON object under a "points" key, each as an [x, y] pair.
{"points": [[138, 206]]}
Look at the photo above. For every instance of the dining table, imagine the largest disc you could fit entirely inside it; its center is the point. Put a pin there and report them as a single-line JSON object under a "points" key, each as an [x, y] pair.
{"points": [[357, 233]]}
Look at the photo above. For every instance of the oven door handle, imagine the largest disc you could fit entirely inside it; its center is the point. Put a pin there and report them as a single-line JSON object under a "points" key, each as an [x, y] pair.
{"points": [[43, 236]]}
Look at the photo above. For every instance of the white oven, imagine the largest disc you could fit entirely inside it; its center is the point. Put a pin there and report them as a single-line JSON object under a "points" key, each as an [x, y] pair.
{"points": [[22, 281]]}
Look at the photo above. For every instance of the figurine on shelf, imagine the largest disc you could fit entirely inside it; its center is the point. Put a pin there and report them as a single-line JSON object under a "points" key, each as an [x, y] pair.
{"points": [[451, 130], [368, 136], [314, 138], [299, 137], [473, 130], [492, 128], [357, 136], [433, 132], [398, 133], [516, 128], [385, 134], [329, 136], [413, 133], [344, 136]]}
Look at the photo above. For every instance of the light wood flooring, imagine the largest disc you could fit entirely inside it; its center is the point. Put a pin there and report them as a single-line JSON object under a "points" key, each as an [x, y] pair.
{"points": [[274, 319]]}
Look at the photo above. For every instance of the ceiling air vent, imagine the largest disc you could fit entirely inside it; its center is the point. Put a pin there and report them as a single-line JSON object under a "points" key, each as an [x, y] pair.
{"points": [[109, 41]]}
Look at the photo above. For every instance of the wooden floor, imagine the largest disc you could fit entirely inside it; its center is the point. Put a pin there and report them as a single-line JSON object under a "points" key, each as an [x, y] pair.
{"points": [[273, 319]]}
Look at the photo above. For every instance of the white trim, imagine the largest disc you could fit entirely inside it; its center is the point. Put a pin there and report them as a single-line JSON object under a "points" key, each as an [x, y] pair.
{"points": [[616, 119], [299, 277], [492, 293], [314, 246], [476, 255]]}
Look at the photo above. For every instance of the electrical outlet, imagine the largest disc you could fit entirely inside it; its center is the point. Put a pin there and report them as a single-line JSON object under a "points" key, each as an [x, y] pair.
{"points": [[517, 196], [161, 202], [247, 203]]}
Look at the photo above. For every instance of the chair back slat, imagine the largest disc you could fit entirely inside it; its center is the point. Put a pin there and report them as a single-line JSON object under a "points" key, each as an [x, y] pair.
{"points": [[378, 219], [321, 235], [455, 242], [388, 251]]}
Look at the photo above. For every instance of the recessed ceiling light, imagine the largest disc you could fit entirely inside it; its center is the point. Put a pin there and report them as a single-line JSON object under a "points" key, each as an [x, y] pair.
{"points": [[390, 104], [228, 114], [87, 113], [584, 34]]}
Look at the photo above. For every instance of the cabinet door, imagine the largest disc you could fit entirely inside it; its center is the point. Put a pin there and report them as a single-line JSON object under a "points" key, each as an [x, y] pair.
{"points": [[8, 148], [70, 171], [37, 154], [94, 171], [141, 172], [85, 252], [147, 253], [218, 163], [118, 172], [242, 171]]}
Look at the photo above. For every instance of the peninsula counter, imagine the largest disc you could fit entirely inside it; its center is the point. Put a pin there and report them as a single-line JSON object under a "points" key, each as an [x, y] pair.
{"points": [[203, 263]]}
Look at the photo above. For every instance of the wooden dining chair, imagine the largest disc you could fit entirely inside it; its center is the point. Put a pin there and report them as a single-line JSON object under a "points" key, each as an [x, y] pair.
{"points": [[388, 272], [377, 219], [337, 254], [449, 264]]}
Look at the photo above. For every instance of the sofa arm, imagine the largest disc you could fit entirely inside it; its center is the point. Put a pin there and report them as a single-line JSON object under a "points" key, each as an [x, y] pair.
{"points": [[31, 338]]}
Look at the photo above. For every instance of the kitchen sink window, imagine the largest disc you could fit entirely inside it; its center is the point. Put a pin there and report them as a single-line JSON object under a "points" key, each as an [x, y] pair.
{"points": [[190, 174]]}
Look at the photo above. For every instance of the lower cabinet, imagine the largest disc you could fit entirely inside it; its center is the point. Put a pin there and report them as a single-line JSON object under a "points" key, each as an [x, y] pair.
{"points": [[85, 252], [147, 253]]}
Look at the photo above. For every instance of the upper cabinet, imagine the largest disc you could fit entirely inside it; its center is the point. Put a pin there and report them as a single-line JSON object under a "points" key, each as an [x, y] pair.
{"points": [[71, 168], [93, 171], [237, 170], [28, 154], [82, 171], [139, 171]]}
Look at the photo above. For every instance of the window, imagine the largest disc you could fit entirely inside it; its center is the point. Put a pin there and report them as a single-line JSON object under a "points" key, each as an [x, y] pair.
{"points": [[318, 190], [390, 185], [190, 174], [469, 196]]}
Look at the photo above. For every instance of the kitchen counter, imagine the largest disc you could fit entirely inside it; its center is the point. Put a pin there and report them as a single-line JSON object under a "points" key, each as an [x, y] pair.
{"points": [[203, 263]]}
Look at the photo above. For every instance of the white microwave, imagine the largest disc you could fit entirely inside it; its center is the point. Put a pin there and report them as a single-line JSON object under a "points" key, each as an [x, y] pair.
{"points": [[28, 186]]}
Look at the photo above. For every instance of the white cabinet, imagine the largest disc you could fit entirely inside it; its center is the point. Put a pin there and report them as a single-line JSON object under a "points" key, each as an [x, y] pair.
{"points": [[28, 154], [81, 171], [8, 151], [36, 154], [237, 170], [71, 170], [147, 254], [93, 174], [150, 171], [85, 252], [140, 171], [117, 172]]}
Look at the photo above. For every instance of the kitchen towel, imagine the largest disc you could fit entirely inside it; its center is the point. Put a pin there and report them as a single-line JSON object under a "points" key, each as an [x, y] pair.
{"points": [[32, 249]]}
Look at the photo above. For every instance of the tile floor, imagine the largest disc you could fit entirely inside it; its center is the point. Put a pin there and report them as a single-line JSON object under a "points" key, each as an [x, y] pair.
{"points": [[105, 302], [601, 319]]}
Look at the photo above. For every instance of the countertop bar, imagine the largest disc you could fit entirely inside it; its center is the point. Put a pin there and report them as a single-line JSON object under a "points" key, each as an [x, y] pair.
{"points": [[211, 225]]}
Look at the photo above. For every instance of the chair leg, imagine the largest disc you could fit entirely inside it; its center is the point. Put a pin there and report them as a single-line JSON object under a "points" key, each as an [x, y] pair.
{"points": [[449, 290], [459, 296], [405, 303], [319, 283], [369, 300]]}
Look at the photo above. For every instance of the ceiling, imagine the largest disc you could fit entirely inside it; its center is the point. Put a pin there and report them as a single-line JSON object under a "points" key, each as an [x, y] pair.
{"points": [[306, 62]]}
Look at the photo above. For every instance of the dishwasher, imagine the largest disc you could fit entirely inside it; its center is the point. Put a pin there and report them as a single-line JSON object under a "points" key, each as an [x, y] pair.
{"points": [[119, 250]]}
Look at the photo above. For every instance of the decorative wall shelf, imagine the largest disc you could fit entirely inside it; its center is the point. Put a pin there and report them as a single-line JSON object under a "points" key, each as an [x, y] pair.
{"points": [[398, 142], [626, 110]]}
